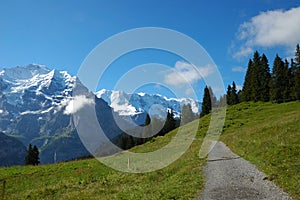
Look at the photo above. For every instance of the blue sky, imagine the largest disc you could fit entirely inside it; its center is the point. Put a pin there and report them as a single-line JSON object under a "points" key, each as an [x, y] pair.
{"points": [[61, 34]]}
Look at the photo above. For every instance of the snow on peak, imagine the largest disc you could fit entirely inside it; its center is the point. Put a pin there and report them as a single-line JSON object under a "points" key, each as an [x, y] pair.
{"points": [[24, 72], [24, 81], [131, 104]]}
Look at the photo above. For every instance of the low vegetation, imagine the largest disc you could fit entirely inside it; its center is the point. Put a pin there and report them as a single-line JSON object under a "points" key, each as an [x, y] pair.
{"points": [[266, 134], [89, 179]]}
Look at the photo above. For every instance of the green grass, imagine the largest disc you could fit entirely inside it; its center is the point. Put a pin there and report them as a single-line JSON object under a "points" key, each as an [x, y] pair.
{"points": [[268, 135], [89, 179]]}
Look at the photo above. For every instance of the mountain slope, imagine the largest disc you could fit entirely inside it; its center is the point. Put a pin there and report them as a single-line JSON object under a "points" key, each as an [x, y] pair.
{"points": [[12, 151], [245, 124], [36, 107]]}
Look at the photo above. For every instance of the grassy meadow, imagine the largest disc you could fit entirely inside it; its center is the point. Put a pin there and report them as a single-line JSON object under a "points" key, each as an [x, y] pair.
{"points": [[266, 134]]}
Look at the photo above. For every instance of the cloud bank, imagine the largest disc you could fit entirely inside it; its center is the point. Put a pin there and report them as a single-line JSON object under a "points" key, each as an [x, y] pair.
{"points": [[184, 73], [77, 103], [268, 29]]}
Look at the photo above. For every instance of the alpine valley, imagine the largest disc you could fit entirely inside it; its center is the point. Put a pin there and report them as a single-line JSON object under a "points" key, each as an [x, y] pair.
{"points": [[36, 108]]}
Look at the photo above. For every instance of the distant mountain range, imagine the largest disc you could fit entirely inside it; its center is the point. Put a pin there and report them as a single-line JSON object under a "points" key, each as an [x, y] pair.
{"points": [[132, 104], [34, 108]]}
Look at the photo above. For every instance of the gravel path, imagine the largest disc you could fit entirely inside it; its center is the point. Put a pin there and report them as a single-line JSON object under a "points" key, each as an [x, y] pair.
{"points": [[228, 176]]}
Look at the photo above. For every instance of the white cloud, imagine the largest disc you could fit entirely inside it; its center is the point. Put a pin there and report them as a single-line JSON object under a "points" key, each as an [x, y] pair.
{"points": [[243, 52], [187, 73], [238, 69], [1, 111], [76, 104], [271, 28]]}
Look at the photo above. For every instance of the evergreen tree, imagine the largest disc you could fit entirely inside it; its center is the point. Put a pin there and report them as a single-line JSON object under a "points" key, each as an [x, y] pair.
{"points": [[256, 84], [213, 98], [35, 155], [147, 129], [297, 55], [297, 73], [222, 101], [264, 79], [229, 98], [292, 80], [255, 77], [187, 114], [246, 92], [32, 157], [29, 157], [287, 89], [170, 123], [279, 81], [232, 95], [206, 103]]}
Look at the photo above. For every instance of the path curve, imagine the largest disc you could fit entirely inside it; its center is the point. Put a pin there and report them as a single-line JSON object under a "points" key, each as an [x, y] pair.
{"points": [[229, 176]]}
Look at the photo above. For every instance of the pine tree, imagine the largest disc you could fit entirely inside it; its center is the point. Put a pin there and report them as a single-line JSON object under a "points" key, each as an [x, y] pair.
{"points": [[246, 92], [256, 84], [147, 129], [187, 114], [297, 73], [292, 80], [206, 103], [297, 55], [213, 98], [279, 81], [255, 77], [170, 123], [32, 157], [35, 155], [232, 96], [29, 158], [264, 79], [228, 96], [287, 89]]}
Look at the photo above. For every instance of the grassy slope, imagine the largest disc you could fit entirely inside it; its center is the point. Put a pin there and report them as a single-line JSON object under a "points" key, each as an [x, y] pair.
{"points": [[265, 134], [88, 179], [268, 135]]}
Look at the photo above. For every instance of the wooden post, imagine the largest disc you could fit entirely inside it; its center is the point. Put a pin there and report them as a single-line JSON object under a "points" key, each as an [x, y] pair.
{"points": [[3, 188]]}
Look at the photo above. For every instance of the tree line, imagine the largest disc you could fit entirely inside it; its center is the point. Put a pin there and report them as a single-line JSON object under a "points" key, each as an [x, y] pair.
{"points": [[157, 127], [281, 84]]}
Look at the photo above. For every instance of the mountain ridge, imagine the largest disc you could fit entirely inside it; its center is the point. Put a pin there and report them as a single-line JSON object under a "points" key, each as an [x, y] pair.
{"points": [[36, 107]]}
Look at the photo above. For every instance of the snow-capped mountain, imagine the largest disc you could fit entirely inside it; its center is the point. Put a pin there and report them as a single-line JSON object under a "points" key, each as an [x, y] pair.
{"points": [[36, 108], [155, 104], [35, 87]]}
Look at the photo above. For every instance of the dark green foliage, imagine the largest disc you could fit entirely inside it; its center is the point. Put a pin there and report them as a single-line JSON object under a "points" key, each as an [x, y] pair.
{"points": [[213, 98], [297, 55], [296, 88], [187, 114], [246, 92], [232, 95], [151, 128], [256, 84], [170, 123], [264, 79], [222, 101], [206, 103], [32, 157], [279, 84]]}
